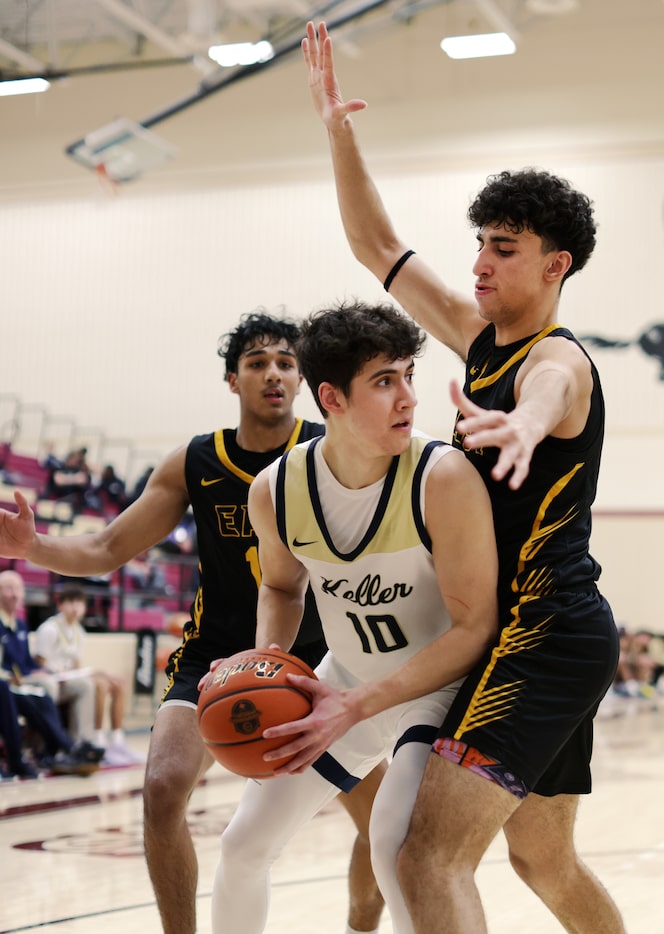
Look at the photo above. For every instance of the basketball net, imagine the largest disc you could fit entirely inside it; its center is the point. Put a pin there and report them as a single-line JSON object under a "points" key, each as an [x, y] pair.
{"points": [[106, 183]]}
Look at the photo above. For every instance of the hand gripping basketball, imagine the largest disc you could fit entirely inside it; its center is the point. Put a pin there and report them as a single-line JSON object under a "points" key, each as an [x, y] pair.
{"points": [[244, 696]]}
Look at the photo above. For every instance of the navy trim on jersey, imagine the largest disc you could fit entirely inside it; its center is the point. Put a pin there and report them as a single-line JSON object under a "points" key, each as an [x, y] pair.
{"points": [[423, 733], [280, 498], [334, 773], [377, 517], [415, 493]]}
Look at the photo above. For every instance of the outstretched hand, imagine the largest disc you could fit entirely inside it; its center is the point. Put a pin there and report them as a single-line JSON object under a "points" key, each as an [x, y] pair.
{"points": [[17, 529], [331, 717], [323, 84], [493, 428]]}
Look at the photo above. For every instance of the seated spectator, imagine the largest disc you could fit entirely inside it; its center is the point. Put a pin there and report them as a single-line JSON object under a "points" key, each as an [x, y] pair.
{"points": [[50, 461], [110, 490], [59, 753], [638, 665], [78, 693], [11, 735], [139, 486], [59, 649], [72, 480], [145, 575]]}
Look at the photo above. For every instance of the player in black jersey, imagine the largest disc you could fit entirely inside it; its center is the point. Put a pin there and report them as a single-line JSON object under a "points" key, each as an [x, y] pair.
{"points": [[531, 420], [212, 474]]}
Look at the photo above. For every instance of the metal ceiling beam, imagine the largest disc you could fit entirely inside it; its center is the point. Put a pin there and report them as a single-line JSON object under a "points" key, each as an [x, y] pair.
{"points": [[495, 15], [401, 12], [210, 86], [145, 27], [20, 57]]}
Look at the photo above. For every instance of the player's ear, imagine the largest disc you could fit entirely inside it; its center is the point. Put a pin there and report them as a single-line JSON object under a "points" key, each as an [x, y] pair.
{"points": [[231, 379], [558, 265], [331, 398]]}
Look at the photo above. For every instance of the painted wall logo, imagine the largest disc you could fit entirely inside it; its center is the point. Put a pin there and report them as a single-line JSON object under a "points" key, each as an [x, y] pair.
{"points": [[650, 342]]}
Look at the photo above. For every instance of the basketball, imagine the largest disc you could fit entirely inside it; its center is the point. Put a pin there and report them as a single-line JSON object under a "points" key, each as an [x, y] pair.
{"points": [[247, 694]]}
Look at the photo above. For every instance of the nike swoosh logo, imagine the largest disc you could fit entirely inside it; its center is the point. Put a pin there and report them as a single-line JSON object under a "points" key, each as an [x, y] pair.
{"points": [[297, 544], [205, 482]]}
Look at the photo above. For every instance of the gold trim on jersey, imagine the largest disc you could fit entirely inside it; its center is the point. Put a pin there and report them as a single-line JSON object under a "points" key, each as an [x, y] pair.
{"points": [[222, 453], [392, 522], [484, 381]]}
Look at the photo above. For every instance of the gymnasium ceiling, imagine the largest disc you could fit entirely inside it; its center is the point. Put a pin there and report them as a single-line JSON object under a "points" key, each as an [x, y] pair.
{"points": [[584, 62]]}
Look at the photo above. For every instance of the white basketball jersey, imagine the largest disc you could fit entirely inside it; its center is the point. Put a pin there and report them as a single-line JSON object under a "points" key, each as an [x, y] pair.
{"points": [[374, 581]]}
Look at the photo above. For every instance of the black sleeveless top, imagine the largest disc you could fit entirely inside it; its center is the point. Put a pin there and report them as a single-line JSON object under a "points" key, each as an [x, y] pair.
{"points": [[543, 528], [218, 474]]}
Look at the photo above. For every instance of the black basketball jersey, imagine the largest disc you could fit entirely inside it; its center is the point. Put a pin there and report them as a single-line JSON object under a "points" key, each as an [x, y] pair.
{"points": [[218, 474], [543, 528]]}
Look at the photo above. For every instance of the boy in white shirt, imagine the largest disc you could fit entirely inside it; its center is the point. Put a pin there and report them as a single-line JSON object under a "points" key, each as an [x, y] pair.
{"points": [[59, 648]]}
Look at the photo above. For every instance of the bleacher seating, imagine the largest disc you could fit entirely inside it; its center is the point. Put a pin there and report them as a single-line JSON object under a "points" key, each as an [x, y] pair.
{"points": [[23, 470], [113, 603]]}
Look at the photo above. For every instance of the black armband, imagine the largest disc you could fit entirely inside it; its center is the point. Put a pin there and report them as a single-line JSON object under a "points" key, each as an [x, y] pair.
{"points": [[395, 269]]}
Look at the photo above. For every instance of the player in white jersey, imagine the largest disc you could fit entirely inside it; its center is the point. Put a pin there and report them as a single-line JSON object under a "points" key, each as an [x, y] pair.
{"points": [[394, 533]]}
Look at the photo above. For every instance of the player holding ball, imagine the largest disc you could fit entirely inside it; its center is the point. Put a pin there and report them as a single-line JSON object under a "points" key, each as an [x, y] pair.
{"points": [[394, 535]]}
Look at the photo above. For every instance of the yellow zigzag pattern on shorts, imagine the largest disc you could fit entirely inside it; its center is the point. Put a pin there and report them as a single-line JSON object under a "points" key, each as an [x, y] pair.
{"points": [[495, 703], [490, 704]]}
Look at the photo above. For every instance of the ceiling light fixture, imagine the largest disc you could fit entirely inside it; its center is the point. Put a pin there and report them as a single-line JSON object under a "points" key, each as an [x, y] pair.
{"points": [[241, 53], [480, 46], [23, 86]]}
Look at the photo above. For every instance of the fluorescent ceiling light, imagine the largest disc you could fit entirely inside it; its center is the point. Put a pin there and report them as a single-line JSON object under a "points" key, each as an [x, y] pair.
{"points": [[23, 86], [241, 53], [482, 46]]}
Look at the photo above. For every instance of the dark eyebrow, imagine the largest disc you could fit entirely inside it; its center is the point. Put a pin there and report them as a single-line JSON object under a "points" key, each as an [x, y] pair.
{"points": [[497, 238], [257, 351], [390, 370]]}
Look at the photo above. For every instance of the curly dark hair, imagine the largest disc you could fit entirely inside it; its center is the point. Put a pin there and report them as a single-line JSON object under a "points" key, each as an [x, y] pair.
{"points": [[257, 327], [336, 342], [542, 203]]}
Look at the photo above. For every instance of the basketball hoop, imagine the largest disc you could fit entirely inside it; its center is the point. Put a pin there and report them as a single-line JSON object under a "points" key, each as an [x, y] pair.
{"points": [[106, 183], [121, 151]]}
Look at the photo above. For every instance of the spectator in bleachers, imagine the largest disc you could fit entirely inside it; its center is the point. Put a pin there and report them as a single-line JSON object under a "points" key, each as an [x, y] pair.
{"points": [[12, 737], [59, 643], [110, 490], [77, 693], [59, 754], [50, 461], [147, 577], [139, 486], [71, 481], [638, 666]]}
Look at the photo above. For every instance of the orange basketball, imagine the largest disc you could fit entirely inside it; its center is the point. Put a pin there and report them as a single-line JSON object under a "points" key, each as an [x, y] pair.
{"points": [[246, 695]]}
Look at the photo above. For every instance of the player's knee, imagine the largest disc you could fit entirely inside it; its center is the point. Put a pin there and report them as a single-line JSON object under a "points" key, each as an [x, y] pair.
{"points": [[166, 791], [538, 869], [244, 851], [384, 846], [407, 869]]}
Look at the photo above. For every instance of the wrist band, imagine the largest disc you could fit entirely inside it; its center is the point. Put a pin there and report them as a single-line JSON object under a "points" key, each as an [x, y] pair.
{"points": [[395, 269]]}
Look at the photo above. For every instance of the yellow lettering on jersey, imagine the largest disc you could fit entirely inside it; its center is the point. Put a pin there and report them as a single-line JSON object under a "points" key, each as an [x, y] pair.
{"points": [[251, 557]]}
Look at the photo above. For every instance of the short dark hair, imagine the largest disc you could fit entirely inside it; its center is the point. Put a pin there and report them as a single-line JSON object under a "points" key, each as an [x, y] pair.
{"points": [[548, 206], [335, 343], [71, 592], [258, 327]]}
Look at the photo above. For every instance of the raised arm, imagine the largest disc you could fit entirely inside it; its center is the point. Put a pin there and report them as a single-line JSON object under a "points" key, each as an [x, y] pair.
{"points": [[283, 578], [460, 523], [144, 524], [444, 313]]}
